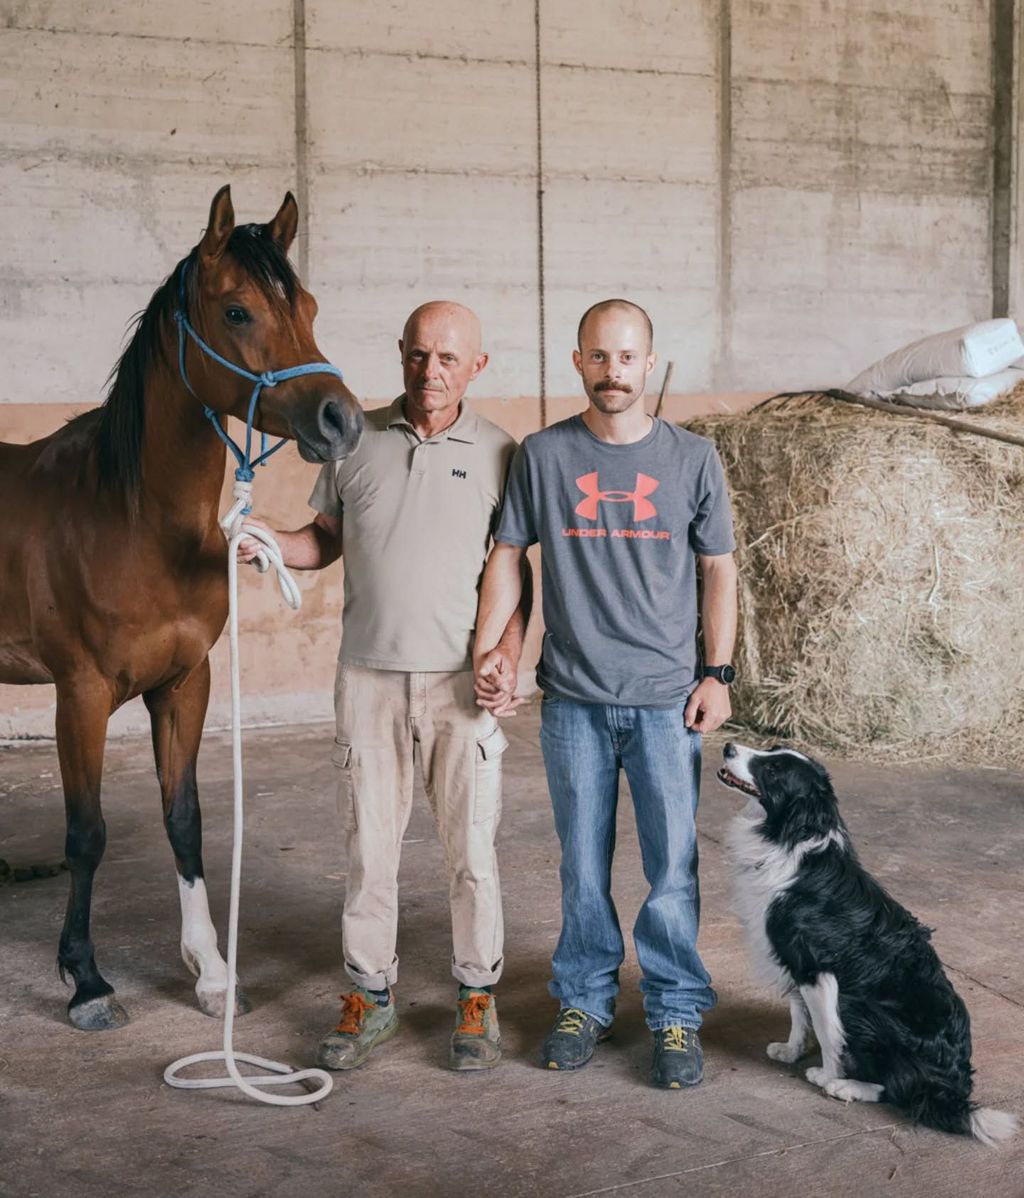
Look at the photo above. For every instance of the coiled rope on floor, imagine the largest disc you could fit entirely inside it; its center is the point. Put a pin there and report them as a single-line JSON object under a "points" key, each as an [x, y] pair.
{"points": [[278, 1074]]}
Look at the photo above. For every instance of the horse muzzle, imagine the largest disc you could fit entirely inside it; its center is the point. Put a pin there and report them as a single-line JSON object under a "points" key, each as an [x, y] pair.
{"points": [[332, 432]]}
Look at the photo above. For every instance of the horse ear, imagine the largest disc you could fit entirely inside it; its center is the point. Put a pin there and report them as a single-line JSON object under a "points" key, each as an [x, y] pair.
{"points": [[220, 225], [283, 226]]}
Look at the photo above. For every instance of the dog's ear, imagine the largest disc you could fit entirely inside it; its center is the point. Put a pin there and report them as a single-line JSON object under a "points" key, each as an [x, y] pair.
{"points": [[803, 804]]}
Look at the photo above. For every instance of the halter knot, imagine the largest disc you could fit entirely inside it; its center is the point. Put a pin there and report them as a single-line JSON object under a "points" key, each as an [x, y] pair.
{"points": [[268, 378]]}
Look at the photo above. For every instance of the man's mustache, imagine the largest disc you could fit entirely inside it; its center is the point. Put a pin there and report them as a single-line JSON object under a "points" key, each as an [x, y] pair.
{"points": [[609, 385]]}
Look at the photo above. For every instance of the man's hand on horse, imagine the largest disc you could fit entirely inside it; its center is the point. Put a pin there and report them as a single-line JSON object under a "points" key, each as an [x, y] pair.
{"points": [[495, 683], [249, 547]]}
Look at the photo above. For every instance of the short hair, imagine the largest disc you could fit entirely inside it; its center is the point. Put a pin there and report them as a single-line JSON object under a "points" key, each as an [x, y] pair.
{"points": [[609, 305]]}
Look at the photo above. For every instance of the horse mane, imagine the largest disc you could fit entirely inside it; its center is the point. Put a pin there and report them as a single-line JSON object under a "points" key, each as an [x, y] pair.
{"points": [[122, 419]]}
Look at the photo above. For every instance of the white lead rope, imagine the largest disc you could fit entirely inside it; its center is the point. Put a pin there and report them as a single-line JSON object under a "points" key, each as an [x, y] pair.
{"points": [[236, 529]]}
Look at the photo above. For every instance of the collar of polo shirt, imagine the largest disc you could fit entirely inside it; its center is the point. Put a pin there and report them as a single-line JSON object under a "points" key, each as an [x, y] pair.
{"points": [[464, 427]]}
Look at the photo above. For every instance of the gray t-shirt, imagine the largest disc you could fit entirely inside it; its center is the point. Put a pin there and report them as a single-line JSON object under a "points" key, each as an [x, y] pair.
{"points": [[619, 528]]}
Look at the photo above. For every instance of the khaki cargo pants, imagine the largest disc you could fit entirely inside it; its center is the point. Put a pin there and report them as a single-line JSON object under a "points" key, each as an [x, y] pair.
{"points": [[382, 716]]}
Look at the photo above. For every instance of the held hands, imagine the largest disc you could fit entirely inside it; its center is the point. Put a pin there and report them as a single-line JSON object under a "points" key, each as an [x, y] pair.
{"points": [[249, 547], [495, 684], [708, 707]]}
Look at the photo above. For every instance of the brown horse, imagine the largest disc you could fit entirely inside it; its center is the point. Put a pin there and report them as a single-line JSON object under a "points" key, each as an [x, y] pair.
{"points": [[113, 570]]}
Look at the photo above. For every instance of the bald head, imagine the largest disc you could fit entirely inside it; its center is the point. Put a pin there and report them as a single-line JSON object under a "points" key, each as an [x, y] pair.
{"points": [[621, 306], [453, 316], [441, 356]]}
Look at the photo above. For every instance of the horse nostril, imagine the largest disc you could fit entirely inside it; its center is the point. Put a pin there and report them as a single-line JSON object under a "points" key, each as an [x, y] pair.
{"points": [[335, 424]]}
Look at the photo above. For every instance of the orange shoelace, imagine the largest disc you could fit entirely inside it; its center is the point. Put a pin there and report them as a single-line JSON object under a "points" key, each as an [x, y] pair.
{"points": [[353, 1012], [473, 1009]]}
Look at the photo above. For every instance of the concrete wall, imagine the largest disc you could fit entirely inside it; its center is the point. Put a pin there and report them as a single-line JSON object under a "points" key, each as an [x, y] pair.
{"points": [[791, 187]]}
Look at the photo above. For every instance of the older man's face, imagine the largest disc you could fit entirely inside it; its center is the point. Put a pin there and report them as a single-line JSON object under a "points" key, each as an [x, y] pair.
{"points": [[441, 356]]}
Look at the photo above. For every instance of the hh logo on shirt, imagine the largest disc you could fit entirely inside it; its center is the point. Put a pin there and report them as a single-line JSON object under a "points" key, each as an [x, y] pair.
{"points": [[458, 473], [643, 508]]}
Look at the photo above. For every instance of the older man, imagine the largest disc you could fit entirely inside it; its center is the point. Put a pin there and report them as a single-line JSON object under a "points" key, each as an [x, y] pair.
{"points": [[625, 507], [412, 512]]}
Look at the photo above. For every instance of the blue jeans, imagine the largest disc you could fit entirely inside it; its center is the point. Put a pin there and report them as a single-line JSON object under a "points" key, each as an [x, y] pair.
{"points": [[584, 746]]}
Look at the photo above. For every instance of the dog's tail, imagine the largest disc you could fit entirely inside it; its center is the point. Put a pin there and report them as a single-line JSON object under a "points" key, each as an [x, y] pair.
{"points": [[936, 1103]]}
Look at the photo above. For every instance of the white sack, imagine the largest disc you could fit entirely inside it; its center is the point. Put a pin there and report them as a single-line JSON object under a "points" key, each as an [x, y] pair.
{"points": [[956, 392], [973, 351]]}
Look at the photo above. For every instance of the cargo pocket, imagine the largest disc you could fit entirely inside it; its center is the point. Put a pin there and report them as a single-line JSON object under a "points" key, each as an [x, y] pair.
{"points": [[487, 802], [341, 759]]}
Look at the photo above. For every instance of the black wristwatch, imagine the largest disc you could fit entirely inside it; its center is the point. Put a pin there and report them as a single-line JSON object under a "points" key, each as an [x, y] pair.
{"points": [[724, 674]]}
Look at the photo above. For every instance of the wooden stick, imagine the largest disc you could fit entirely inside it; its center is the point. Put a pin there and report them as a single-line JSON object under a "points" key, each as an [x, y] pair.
{"points": [[881, 405], [664, 387]]}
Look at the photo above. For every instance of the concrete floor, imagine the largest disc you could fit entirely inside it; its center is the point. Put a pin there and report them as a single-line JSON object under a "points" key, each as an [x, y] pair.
{"points": [[89, 1115]]}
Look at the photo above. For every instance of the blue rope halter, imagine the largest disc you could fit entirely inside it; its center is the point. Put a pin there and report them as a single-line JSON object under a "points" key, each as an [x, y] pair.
{"points": [[269, 378]]}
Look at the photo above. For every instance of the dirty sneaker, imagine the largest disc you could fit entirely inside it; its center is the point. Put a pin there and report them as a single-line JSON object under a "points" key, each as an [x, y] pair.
{"points": [[476, 1041], [678, 1060], [571, 1042], [363, 1025]]}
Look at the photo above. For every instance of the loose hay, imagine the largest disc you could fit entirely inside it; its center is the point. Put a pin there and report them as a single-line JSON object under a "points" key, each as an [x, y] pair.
{"points": [[881, 579]]}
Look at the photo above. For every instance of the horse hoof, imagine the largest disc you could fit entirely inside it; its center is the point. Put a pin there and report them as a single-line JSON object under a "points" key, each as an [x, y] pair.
{"points": [[214, 1002], [98, 1014]]}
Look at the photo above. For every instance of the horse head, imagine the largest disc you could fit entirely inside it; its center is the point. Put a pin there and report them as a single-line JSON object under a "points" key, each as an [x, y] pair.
{"points": [[240, 294]]}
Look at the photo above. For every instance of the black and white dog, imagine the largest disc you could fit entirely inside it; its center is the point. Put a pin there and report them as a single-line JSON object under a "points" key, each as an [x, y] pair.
{"points": [[856, 966]]}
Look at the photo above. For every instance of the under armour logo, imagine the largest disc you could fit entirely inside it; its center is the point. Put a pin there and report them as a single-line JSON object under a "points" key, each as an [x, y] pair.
{"points": [[458, 474], [643, 509]]}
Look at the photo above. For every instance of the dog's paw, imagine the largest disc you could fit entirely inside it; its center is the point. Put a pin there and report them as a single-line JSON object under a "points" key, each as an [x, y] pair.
{"points": [[817, 1076], [785, 1052], [846, 1089]]}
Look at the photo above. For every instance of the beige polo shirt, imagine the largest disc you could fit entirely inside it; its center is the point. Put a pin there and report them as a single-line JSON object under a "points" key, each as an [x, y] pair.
{"points": [[417, 517]]}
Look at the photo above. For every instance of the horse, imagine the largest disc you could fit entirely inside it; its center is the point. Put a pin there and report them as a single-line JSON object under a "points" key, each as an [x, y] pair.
{"points": [[113, 569]]}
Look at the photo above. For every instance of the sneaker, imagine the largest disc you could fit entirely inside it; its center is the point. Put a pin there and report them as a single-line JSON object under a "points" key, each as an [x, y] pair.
{"points": [[571, 1042], [678, 1059], [476, 1041], [363, 1025]]}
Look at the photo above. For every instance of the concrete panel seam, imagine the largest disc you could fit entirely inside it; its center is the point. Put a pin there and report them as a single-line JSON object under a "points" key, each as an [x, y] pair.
{"points": [[370, 169], [473, 60], [1003, 144], [112, 35], [722, 370]]}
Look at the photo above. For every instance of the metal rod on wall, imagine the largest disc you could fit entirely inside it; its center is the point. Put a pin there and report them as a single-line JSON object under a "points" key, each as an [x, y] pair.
{"points": [[301, 135], [541, 333]]}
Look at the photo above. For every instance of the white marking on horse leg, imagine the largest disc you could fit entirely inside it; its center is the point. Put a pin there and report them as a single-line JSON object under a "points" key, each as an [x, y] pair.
{"points": [[848, 1090], [199, 946], [793, 1049], [822, 1001]]}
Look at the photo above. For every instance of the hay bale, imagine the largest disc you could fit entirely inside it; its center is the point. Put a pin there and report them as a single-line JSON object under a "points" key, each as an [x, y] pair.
{"points": [[882, 579]]}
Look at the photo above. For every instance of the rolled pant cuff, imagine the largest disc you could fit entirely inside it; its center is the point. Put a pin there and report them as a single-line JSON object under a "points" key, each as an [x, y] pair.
{"points": [[693, 1022], [476, 978], [604, 1014], [382, 980]]}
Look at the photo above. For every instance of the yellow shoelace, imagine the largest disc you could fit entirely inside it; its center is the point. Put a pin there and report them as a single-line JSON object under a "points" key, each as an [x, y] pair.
{"points": [[572, 1021], [675, 1039]]}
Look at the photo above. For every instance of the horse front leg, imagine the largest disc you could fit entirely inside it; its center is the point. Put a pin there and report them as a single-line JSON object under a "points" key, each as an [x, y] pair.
{"points": [[83, 710], [176, 716]]}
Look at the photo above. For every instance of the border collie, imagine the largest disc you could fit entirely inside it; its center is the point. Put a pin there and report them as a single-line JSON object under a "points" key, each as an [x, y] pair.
{"points": [[856, 966]]}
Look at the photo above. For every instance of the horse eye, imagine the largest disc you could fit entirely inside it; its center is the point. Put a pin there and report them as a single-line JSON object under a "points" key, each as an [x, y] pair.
{"points": [[236, 316]]}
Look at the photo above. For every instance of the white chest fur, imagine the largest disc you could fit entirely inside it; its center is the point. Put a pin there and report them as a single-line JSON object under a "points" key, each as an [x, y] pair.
{"points": [[762, 872]]}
